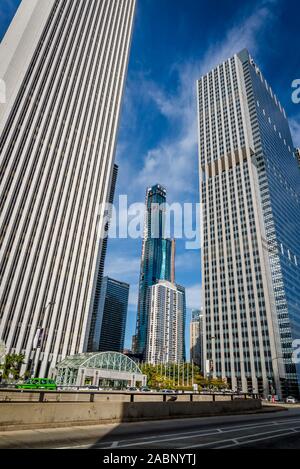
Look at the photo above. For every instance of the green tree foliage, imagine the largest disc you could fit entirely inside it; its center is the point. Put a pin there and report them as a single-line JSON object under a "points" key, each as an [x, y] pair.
{"points": [[12, 365], [178, 376]]}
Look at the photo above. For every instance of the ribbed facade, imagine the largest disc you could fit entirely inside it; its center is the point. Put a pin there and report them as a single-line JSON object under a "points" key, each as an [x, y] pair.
{"points": [[165, 338], [64, 64], [250, 252]]}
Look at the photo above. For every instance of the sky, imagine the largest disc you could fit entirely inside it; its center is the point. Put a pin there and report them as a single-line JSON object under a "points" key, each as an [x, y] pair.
{"points": [[174, 43]]}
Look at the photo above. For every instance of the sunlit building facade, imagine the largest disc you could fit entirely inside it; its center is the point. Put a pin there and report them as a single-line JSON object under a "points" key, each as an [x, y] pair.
{"points": [[196, 338], [64, 64], [165, 338], [250, 191]]}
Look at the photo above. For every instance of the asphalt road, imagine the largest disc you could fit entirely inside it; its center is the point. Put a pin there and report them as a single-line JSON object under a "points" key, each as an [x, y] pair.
{"points": [[267, 430]]}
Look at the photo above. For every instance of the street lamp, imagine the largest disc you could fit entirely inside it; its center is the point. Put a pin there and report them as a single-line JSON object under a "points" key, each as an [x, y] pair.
{"points": [[210, 338], [273, 384], [38, 339]]}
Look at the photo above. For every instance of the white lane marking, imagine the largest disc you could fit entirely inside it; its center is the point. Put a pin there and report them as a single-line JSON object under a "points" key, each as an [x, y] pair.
{"points": [[214, 431], [286, 433], [175, 437], [193, 434], [74, 447], [202, 445], [114, 444], [125, 445]]}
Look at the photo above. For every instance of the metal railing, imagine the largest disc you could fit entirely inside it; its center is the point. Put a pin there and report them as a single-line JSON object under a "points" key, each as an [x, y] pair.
{"points": [[11, 396]]}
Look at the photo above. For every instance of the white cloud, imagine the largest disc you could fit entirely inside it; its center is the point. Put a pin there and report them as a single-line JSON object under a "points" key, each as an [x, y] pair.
{"points": [[188, 261], [120, 266], [295, 129], [194, 296], [134, 295], [173, 162], [245, 34], [126, 269]]}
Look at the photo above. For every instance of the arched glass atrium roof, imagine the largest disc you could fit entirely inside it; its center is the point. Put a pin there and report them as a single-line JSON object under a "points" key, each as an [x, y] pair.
{"points": [[113, 361]]}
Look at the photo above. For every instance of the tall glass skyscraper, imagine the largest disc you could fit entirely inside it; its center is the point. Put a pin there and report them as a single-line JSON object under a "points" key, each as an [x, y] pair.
{"points": [[157, 260], [297, 151], [250, 190], [64, 65]]}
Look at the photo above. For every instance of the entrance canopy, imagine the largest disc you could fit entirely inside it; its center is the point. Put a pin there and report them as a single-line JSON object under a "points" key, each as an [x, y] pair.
{"points": [[98, 368]]}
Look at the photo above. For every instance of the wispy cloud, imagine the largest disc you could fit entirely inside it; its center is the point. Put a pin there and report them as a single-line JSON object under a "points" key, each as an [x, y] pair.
{"points": [[295, 129], [194, 296], [122, 265], [246, 33], [173, 160]]}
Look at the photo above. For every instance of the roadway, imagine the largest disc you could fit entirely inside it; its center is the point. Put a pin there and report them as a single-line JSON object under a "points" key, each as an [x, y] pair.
{"points": [[270, 429]]}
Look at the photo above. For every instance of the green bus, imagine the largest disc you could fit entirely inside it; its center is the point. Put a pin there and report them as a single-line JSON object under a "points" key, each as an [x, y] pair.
{"points": [[38, 383]]}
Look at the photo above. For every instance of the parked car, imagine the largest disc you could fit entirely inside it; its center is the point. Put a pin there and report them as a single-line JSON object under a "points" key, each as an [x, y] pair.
{"points": [[291, 400], [132, 389], [274, 398], [145, 389], [38, 383], [167, 391]]}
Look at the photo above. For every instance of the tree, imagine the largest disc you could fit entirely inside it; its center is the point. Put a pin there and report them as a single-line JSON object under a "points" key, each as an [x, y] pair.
{"points": [[12, 365], [179, 376]]}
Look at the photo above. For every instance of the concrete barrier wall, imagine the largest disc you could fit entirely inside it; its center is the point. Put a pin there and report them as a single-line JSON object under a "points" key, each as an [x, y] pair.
{"points": [[27, 396], [50, 414]]}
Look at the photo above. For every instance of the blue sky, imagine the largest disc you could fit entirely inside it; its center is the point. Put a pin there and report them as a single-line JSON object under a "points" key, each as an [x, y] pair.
{"points": [[174, 43]]}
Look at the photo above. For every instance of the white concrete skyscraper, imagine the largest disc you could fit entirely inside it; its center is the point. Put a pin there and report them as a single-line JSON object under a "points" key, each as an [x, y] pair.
{"points": [[64, 64], [165, 338], [250, 191], [196, 338]]}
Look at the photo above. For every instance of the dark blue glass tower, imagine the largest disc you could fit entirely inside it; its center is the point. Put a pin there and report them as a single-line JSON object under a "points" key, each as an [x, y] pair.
{"points": [[156, 261], [113, 305]]}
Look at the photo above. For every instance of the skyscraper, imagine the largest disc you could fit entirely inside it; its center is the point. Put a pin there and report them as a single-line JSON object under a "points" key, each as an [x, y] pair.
{"points": [[165, 338], [297, 150], [196, 337], [157, 258], [96, 320], [113, 307], [250, 190], [64, 65]]}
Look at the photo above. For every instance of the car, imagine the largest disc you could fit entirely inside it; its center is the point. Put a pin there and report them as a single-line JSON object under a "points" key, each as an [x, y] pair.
{"points": [[167, 391], [273, 398], [145, 389], [38, 383], [132, 389], [290, 400]]}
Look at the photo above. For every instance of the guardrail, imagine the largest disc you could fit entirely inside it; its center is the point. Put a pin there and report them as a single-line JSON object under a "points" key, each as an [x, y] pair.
{"points": [[90, 395]]}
